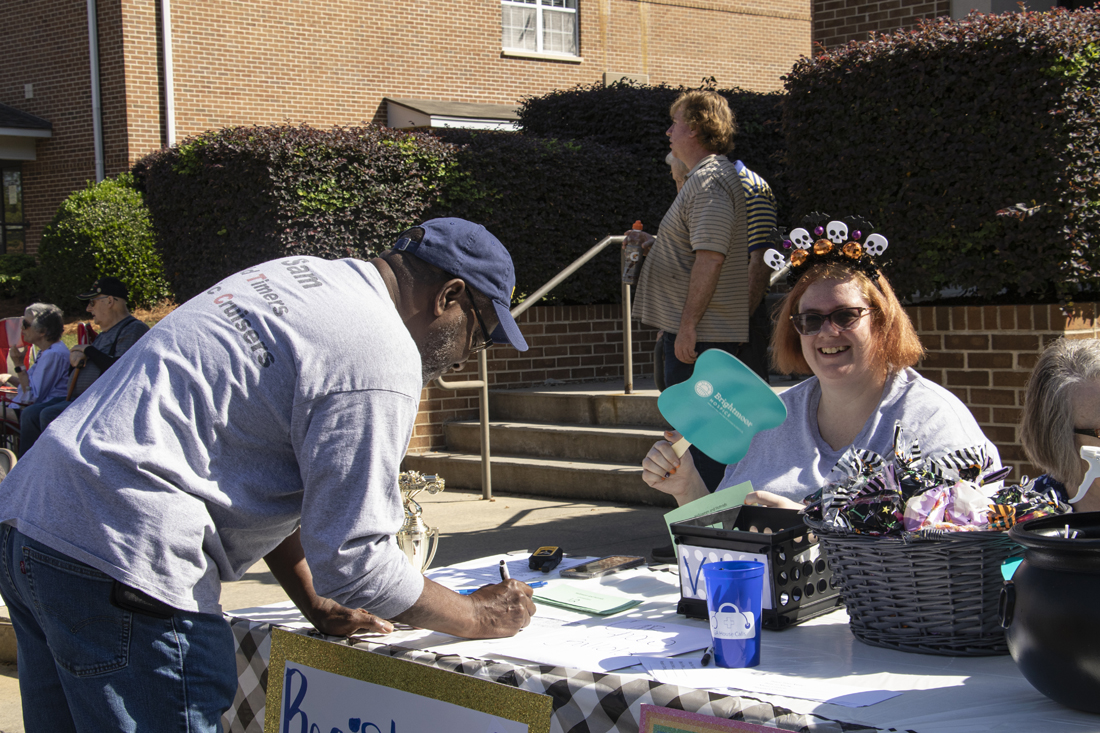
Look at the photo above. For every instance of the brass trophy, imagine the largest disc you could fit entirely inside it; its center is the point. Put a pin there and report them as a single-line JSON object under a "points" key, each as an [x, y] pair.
{"points": [[417, 540]]}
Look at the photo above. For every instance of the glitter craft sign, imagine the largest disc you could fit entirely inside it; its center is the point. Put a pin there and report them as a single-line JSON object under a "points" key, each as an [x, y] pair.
{"points": [[317, 685], [657, 719]]}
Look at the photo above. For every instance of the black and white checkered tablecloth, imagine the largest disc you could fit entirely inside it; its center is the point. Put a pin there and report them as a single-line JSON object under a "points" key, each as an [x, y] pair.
{"points": [[584, 702]]}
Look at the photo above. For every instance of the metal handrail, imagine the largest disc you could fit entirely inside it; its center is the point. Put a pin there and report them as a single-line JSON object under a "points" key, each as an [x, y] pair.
{"points": [[482, 382], [555, 281]]}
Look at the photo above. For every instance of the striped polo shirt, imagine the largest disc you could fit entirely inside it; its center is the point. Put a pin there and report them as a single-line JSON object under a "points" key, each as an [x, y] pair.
{"points": [[759, 206], [711, 212]]}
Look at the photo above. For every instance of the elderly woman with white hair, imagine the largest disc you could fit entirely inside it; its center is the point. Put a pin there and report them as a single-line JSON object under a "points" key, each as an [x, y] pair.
{"points": [[1061, 416], [678, 169], [46, 382]]}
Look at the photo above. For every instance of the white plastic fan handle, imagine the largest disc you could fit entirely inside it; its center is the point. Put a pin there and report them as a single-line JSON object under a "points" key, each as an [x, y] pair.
{"points": [[680, 447], [1091, 454]]}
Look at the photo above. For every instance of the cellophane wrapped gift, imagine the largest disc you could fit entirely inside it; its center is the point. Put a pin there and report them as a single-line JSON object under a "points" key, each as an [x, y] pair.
{"points": [[961, 490]]}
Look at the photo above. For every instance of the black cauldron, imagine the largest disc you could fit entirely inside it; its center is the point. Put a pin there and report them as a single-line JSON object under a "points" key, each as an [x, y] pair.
{"points": [[1051, 608]]}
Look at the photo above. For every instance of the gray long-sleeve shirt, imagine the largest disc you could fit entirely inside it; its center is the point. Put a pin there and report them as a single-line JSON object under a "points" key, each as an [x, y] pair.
{"points": [[285, 394]]}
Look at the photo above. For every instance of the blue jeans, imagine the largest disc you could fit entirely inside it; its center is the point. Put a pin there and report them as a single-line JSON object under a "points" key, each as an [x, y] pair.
{"points": [[34, 420], [676, 371], [87, 665]]}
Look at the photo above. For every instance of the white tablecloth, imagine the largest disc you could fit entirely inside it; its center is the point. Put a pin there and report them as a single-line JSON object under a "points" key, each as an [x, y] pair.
{"points": [[939, 694]]}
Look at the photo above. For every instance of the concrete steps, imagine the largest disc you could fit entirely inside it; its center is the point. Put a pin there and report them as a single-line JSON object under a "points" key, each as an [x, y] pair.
{"points": [[621, 444], [570, 441]]}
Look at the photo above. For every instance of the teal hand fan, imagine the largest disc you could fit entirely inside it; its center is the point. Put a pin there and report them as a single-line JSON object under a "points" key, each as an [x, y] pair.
{"points": [[721, 407]]}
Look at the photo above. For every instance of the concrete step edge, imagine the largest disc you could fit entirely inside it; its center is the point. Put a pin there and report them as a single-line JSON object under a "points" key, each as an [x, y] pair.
{"points": [[583, 480], [512, 459], [554, 427]]}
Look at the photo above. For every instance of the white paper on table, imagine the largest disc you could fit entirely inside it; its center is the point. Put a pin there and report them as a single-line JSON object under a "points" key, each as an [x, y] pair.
{"points": [[284, 614], [594, 644], [486, 571], [692, 673]]}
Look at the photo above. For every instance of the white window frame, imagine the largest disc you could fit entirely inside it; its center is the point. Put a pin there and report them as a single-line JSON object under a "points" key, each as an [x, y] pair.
{"points": [[541, 7]]}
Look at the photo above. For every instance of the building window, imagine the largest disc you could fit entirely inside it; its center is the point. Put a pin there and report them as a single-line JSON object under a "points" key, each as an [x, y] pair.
{"points": [[539, 26], [13, 237]]}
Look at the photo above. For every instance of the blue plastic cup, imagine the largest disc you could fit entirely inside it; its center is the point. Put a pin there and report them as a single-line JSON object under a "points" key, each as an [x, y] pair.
{"points": [[735, 592]]}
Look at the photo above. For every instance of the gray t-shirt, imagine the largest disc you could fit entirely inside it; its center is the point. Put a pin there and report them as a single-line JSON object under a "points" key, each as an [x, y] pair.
{"points": [[284, 394], [793, 461]]}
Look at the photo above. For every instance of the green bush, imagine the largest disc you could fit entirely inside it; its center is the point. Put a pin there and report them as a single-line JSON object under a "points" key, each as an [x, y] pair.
{"points": [[971, 144], [550, 200], [588, 162], [18, 276], [231, 198], [104, 229], [634, 118]]}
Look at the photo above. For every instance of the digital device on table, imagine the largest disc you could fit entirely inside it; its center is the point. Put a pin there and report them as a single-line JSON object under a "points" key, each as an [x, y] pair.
{"points": [[603, 566], [545, 558]]}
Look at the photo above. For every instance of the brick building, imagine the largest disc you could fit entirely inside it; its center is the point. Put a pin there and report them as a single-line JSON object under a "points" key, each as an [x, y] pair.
{"points": [[837, 22], [167, 69]]}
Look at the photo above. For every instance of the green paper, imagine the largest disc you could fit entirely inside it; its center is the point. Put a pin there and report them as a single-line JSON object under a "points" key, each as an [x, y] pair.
{"points": [[722, 406], [719, 501], [577, 598]]}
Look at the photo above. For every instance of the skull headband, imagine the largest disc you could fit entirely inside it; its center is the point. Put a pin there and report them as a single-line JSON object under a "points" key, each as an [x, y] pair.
{"points": [[821, 239]]}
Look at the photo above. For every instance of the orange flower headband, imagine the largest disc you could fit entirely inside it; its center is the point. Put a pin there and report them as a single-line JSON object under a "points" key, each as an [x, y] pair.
{"points": [[841, 241]]}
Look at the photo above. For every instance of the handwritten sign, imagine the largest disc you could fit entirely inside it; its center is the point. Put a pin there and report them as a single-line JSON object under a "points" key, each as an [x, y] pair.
{"points": [[317, 686], [692, 559]]}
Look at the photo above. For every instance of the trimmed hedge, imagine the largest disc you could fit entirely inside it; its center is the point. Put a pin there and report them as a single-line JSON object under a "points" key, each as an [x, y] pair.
{"points": [[19, 277], [550, 200], [634, 118], [103, 229], [971, 144], [228, 199]]}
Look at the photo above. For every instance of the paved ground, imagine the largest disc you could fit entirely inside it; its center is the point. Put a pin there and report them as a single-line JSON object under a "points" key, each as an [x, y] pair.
{"points": [[470, 527]]}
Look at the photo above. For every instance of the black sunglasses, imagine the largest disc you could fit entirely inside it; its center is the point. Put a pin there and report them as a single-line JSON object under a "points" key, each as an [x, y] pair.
{"points": [[1091, 432], [487, 338], [26, 325], [844, 319]]}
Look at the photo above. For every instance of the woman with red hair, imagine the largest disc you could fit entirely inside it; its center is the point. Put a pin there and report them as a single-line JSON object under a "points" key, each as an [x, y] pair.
{"points": [[841, 322]]}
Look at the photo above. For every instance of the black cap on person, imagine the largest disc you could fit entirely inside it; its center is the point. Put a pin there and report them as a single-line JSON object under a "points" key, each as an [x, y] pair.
{"points": [[106, 286]]}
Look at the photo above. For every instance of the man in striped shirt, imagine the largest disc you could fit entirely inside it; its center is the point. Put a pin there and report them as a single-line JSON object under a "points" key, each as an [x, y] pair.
{"points": [[705, 273]]}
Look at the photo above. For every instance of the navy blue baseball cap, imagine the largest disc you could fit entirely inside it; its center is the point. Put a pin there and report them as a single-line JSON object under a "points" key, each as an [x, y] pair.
{"points": [[468, 251]]}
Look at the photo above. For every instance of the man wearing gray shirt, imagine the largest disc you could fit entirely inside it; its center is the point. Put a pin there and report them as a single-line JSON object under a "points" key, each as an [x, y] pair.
{"points": [[265, 417]]}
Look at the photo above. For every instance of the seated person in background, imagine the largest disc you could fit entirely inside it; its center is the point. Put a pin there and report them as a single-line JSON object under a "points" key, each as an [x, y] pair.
{"points": [[1062, 414], [118, 332], [842, 322], [47, 380]]}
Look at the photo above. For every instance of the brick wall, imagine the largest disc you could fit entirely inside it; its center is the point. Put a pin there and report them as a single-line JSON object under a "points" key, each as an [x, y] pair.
{"points": [[837, 22], [330, 62], [981, 354], [567, 344], [46, 45], [985, 354]]}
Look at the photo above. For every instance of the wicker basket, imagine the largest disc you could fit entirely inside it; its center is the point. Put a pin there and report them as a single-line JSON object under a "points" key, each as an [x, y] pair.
{"points": [[934, 593]]}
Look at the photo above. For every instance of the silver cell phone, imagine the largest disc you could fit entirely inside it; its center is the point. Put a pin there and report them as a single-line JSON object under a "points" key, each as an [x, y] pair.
{"points": [[603, 566]]}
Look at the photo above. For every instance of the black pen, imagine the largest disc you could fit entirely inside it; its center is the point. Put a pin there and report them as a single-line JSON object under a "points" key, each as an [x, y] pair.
{"points": [[504, 572], [706, 656]]}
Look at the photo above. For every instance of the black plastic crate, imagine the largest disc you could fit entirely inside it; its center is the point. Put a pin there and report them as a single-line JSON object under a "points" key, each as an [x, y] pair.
{"points": [[799, 583]]}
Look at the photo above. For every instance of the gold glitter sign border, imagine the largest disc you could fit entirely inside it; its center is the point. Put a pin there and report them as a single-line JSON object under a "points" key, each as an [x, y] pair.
{"points": [[492, 698]]}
